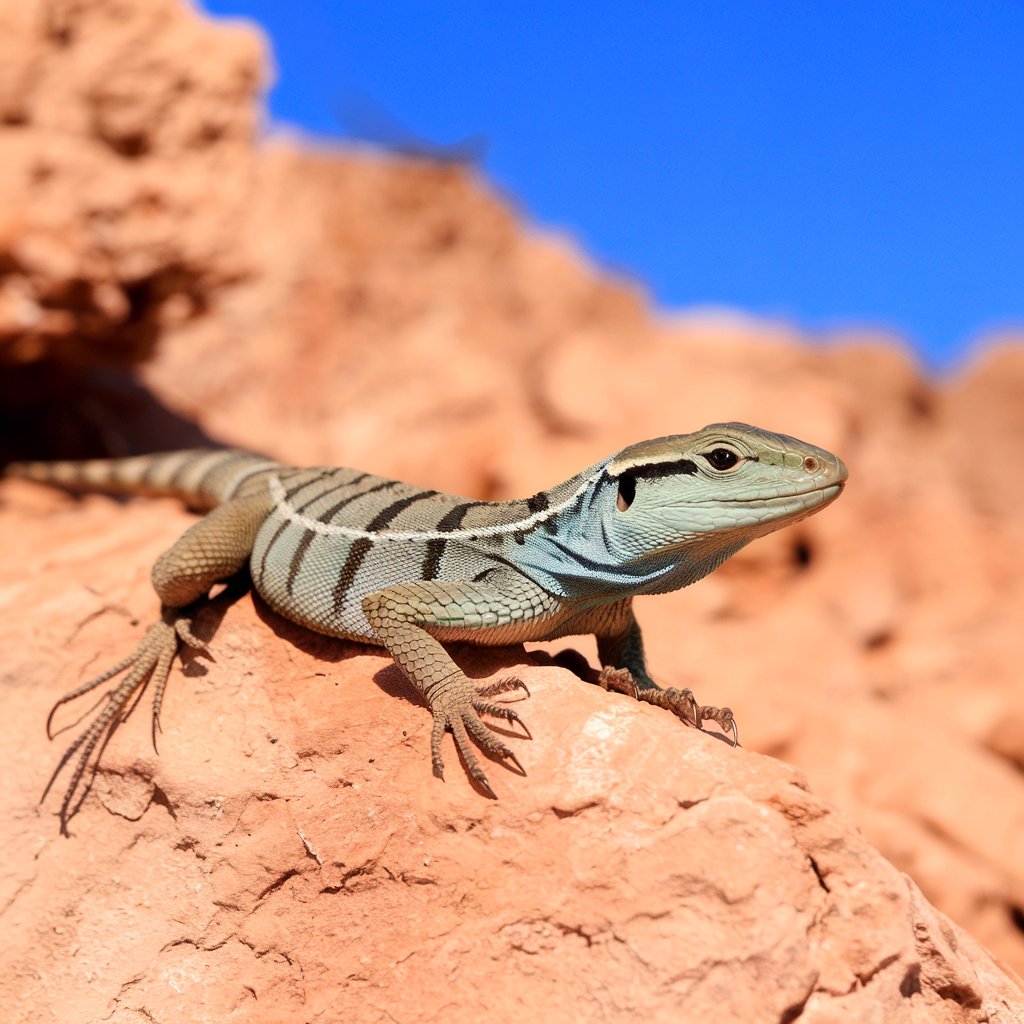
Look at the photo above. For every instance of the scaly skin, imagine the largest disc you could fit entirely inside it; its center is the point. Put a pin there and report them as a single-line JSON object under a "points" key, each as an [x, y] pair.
{"points": [[357, 556]]}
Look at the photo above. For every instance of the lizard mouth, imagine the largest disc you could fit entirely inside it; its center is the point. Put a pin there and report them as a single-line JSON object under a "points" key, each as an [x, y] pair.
{"points": [[751, 513], [829, 491], [827, 483], [811, 498]]}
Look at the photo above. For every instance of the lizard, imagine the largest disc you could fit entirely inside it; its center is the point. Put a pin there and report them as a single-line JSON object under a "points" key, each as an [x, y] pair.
{"points": [[357, 556]]}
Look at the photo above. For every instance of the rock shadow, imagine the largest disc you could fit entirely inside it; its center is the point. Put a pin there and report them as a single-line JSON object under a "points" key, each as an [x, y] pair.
{"points": [[50, 412]]}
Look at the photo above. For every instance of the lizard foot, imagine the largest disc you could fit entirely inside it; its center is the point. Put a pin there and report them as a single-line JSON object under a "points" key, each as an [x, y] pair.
{"points": [[458, 709], [152, 658], [681, 703]]}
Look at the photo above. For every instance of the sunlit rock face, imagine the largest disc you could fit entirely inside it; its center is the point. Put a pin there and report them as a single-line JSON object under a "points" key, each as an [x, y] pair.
{"points": [[288, 851]]}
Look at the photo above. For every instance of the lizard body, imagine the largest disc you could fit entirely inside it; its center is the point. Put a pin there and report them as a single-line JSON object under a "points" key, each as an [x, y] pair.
{"points": [[361, 557]]}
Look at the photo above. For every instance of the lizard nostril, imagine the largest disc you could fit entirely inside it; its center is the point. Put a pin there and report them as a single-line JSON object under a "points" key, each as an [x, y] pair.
{"points": [[811, 464]]}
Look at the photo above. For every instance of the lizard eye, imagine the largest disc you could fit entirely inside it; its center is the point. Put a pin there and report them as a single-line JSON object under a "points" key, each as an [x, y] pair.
{"points": [[722, 458], [627, 491]]}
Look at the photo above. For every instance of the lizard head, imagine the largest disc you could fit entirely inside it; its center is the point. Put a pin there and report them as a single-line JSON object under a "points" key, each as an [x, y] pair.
{"points": [[662, 514], [727, 476], [704, 495]]}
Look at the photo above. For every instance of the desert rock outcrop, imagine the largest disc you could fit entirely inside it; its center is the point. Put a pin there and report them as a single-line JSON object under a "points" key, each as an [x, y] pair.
{"points": [[288, 855], [350, 308]]}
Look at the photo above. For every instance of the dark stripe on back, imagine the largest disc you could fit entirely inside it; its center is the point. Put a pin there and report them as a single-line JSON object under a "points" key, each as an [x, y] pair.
{"points": [[273, 540], [361, 548], [432, 561], [387, 515], [298, 556], [337, 487], [452, 519], [325, 517], [539, 502], [289, 494]]}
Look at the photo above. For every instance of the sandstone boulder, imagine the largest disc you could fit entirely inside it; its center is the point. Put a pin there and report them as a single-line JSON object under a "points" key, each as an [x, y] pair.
{"points": [[396, 315], [288, 855]]}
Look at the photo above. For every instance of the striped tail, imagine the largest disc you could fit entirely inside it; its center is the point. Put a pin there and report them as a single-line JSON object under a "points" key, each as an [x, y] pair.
{"points": [[200, 477]]}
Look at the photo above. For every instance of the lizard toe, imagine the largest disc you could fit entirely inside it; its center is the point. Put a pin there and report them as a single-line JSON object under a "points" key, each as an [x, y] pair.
{"points": [[504, 685], [485, 707], [151, 660], [680, 702], [618, 680], [724, 719], [437, 734], [485, 738], [461, 730]]}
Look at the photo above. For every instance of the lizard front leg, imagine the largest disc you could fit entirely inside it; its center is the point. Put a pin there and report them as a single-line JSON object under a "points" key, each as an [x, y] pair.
{"points": [[403, 618], [215, 548], [625, 671]]}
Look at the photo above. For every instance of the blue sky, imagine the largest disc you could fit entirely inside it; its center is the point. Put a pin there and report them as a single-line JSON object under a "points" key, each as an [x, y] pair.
{"points": [[829, 163]]}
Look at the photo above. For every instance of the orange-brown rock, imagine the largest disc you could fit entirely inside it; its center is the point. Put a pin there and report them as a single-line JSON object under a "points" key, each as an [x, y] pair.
{"points": [[126, 171], [125, 156], [288, 855], [395, 316]]}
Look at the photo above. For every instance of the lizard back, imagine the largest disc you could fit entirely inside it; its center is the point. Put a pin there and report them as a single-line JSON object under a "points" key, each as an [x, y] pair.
{"points": [[336, 535]]}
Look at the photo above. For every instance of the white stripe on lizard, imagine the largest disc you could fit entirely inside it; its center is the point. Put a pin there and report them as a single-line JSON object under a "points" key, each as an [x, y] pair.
{"points": [[283, 508]]}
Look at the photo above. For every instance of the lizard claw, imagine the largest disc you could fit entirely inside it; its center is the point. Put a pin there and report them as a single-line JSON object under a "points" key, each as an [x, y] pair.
{"points": [[502, 686], [458, 711], [481, 780], [150, 661], [485, 707], [681, 703]]}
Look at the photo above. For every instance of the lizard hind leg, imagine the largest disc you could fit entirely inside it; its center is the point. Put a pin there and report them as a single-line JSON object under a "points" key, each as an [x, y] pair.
{"points": [[151, 659], [213, 549]]}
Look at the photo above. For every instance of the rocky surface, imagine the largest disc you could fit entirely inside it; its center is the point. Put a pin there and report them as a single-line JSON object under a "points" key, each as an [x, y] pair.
{"points": [[288, 855], [127, 164], [395, 316]]}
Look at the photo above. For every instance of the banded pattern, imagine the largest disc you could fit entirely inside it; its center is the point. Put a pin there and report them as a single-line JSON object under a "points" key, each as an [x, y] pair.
{"points": [[358, 556], [334, 535], [201, 477]]}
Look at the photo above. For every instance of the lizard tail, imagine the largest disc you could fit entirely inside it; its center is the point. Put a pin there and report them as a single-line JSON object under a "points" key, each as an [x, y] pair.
{"points": [[201, 477]]}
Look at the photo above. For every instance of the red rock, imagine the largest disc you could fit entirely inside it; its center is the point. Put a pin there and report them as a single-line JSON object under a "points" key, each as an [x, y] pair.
{"points": [[288, 854], [126, 172], [395, 316]]}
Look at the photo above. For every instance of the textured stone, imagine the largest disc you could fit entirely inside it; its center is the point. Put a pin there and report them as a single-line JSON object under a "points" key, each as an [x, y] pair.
{"points": [[394, 315], [127, 166], [289, 856]]}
